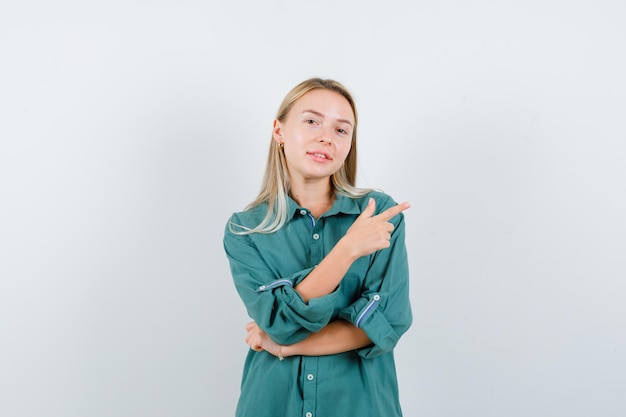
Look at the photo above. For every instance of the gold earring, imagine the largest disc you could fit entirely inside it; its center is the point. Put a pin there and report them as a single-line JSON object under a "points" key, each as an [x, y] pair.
{"points": [[280, 145]]}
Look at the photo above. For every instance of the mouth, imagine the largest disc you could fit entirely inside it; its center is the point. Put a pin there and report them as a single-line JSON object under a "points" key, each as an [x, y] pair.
{"points": [[320, 155]]}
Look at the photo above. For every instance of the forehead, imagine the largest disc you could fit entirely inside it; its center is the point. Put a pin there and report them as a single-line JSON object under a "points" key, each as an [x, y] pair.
{"points": [[330, 103]]}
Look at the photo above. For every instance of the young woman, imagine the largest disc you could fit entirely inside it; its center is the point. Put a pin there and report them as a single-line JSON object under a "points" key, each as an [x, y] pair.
{"points": [[321, 267]]}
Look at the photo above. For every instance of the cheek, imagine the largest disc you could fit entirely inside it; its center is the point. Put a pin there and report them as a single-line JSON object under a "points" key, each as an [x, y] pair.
{"points": [[345, 150]]}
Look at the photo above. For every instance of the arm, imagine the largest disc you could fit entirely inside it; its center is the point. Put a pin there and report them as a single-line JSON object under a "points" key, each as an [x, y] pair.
{"points": [[268, 294], [367, 234], [374, 323], [384, 311], [290, 314], [337, 337]]}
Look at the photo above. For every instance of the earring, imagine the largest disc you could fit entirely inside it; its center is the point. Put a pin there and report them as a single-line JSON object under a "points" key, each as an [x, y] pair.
{"points": [[280, 145]]}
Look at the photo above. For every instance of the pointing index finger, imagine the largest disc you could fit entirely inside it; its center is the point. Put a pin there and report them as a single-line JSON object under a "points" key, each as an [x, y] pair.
{"points": [[394, 211]]}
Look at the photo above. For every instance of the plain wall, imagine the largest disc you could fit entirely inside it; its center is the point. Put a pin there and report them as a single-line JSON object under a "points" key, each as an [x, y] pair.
{"points": [[130, 130]]}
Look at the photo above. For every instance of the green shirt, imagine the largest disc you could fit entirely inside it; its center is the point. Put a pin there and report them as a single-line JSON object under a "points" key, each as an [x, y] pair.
{"points": [[373, 295]]}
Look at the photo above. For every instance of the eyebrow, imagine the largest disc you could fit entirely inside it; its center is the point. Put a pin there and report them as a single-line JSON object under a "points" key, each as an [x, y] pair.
{"points": [[322, 115]]}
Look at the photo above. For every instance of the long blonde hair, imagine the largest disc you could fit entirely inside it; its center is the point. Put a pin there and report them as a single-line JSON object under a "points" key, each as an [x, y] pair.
{"points": [[275, 186]]}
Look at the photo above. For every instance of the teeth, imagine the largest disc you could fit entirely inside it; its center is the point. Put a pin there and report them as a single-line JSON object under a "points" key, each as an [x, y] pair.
{"points": [[320, 155]]}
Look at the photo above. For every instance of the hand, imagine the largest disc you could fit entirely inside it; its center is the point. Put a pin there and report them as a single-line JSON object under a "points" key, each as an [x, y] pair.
{"points": [[258, 340], [370, 233]]}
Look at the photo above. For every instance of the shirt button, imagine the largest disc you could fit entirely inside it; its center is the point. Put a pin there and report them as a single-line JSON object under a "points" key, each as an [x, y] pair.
{"points": [[310, 377], [303, 212], [377, 297], [309, 414], [316, 236], [262, 287]]}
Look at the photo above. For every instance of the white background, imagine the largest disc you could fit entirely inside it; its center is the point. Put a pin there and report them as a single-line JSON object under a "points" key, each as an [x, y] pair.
{"points": [[130, 130]]}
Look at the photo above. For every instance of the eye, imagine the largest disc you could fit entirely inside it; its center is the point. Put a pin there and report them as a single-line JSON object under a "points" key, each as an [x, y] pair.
{"points": [[310, 121], [342, 131]]}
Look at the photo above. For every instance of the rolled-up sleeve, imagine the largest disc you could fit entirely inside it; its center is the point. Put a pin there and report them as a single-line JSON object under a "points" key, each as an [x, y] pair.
{"points": [[383, 310], [270, 299]]}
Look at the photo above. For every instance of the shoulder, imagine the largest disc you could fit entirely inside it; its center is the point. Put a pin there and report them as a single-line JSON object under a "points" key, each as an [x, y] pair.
{"points": [[383, 201], [248, 218]]}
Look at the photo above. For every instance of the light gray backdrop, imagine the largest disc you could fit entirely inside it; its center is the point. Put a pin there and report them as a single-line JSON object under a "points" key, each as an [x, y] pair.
{"points": [[130, 130]]}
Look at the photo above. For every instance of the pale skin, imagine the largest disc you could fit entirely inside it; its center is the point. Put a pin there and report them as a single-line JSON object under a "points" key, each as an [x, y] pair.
{"points": [[317, 135]]}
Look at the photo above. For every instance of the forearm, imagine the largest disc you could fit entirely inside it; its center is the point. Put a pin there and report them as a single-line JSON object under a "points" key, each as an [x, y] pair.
{"points": [[337, 337], [367, 235], [326, 276]]}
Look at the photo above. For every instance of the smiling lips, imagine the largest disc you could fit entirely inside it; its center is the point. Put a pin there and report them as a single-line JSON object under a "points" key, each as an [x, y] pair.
{"points": [[320, 156]]}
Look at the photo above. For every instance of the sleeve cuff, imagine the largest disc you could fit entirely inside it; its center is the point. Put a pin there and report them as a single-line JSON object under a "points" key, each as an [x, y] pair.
{"points": [[365, 314], [312, 316]]}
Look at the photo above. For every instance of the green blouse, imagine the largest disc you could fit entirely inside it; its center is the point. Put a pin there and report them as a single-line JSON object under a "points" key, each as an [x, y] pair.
{"points": [[373, 295]]}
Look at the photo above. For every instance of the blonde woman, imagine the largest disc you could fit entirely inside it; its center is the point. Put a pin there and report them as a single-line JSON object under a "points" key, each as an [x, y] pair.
{"points": [[321, 267]]}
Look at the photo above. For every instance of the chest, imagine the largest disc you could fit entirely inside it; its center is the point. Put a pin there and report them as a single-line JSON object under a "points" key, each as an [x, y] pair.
{"points": [[304, 242]]}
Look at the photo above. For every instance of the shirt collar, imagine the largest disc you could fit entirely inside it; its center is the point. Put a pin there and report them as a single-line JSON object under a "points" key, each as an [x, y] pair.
{"points": [[343, 204]]}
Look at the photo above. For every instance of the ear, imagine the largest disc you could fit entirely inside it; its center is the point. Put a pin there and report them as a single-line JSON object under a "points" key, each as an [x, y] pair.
{"points": [[277, 131]]}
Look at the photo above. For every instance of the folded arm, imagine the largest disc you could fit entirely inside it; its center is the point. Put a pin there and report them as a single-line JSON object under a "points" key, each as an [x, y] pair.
{"points": [[373, 323], [290, 308], [337, 337]]}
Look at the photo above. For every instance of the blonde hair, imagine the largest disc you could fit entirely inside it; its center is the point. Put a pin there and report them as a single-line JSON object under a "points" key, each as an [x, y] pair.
{"points": [[275, 185]]}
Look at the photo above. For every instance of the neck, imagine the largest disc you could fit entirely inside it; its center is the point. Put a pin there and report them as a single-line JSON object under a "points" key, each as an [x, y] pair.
{"points": [[317, 196]]}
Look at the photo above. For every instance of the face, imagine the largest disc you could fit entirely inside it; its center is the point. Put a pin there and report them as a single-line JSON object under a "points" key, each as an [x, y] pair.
{"points": [[317, 134]]}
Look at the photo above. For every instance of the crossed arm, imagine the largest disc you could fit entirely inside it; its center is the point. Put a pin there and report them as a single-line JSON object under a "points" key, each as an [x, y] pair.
{"points": [[367, 234], [338, 336]]}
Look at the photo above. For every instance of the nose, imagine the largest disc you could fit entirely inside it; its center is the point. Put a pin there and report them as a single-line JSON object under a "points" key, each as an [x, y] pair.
{"points": [[325, 136]]}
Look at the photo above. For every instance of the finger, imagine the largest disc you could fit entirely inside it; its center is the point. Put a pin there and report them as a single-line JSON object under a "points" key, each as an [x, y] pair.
{"points": [[255, 342], [250, 325], [251, 339], [369, 209], [393, 211]]}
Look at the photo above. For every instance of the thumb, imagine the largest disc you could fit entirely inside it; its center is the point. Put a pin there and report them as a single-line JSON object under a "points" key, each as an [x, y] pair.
{"points": [[369, 209]]}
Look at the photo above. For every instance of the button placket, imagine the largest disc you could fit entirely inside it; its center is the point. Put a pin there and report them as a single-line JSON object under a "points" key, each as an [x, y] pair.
{"points": [[309, 388], [310, 364], [317, 243]]}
